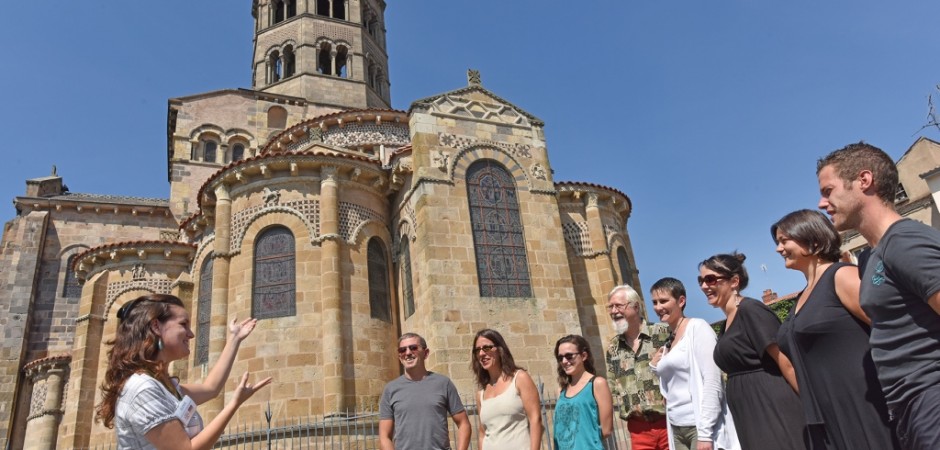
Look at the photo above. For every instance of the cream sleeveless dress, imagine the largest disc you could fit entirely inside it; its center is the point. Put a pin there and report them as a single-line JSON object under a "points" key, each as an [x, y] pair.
{"points": [[507, 427]]}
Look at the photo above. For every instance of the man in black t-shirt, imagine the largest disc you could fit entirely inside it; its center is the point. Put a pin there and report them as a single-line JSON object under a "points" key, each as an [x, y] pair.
{"points": [[900, 286]]}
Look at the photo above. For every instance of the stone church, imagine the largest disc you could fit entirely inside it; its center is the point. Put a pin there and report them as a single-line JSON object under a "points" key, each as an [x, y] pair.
{"points": [[308, 202]]}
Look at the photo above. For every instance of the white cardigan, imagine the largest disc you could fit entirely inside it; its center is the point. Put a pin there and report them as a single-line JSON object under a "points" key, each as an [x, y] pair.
{"points": [[713, 420]]}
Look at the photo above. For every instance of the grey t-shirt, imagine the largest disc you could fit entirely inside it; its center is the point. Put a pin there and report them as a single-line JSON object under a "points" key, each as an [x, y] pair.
{"points": [[419, 410], [902, 272]]}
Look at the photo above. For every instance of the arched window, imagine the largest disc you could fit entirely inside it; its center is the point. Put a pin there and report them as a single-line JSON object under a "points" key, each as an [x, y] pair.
{"points": [[238, 152], [274, 67], [288, 63], [378, 281], [277, 117], [341, 62], [209, 150], [624, 264], [498, 240], [407, 288], [71, 288], [274, 286], [204, 312], [325, 59]]}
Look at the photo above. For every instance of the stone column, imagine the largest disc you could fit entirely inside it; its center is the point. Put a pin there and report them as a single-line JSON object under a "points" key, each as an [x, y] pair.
{"points": [[331, 294], [333, 63], [218, 322], [598, 241], [48, 381]]}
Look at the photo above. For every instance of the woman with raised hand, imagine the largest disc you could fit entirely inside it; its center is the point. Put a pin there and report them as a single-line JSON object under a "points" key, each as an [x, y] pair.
{"points": [[696, 408], [509, 408], [826, 337], [584, 414], [149, 408], [761, 386]]}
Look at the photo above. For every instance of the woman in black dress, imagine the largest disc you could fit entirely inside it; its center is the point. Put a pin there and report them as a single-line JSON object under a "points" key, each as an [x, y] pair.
{"points": [[826, 337], [761, 383]]}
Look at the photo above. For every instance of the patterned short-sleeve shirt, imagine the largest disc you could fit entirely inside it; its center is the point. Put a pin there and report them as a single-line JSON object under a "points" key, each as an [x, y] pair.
{"points": [[632, 382]]}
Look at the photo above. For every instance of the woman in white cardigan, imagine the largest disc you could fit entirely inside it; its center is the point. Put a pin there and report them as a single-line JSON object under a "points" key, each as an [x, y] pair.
{"points": [[696, 409]]}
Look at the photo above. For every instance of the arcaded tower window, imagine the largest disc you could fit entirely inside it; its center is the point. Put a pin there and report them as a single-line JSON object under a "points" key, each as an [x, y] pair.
{"points": [[274, 286], [497, 231], [282, 10], [71, 288], [209, 150], [238, 152], [378, 281], [275, 67], [203, 312], [624, 264], [332, 8], [407, 289], [288, 65]]}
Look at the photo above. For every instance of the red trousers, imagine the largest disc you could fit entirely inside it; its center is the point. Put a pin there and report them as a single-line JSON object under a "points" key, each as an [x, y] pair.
{"points": [[646, 435]]}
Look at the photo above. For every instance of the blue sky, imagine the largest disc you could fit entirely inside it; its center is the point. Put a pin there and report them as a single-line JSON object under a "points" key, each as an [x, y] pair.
{"points": [[709, 115]]}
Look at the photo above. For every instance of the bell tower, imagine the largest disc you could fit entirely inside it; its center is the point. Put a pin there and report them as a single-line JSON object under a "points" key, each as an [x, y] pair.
{"points": [[330, 52]]}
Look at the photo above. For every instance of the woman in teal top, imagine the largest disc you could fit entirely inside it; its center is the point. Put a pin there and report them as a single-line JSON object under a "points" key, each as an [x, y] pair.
{"points": [[584, 414]]}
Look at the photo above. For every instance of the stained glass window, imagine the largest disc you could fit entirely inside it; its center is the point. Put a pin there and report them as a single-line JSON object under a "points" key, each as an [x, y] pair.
{"points": [[408, 290], [209, 149], [378, 281], [497, 231], [274, 287], [71, 288], [624, 264], [204, 311]]}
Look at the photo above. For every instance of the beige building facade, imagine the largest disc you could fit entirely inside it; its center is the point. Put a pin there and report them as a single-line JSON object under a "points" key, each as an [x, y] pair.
{"points": [[340, 223], [918, 189]]}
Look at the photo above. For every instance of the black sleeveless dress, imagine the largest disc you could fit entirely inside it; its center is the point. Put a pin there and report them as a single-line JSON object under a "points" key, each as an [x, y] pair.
{"points": [[767, 413], [839, 387]]}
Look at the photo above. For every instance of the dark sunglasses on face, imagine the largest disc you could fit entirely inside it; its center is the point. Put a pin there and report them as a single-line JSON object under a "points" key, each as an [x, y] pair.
{"points": [[710, 280], [412, 347], [486, 348], [568, 356]]}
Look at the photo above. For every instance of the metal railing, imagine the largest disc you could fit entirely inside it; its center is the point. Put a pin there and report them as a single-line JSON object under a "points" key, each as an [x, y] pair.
{"points": [[359, 430]]}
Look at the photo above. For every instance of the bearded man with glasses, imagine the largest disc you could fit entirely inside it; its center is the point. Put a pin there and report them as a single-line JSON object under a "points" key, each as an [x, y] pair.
{"points": [[414, 407], [634, 386]]}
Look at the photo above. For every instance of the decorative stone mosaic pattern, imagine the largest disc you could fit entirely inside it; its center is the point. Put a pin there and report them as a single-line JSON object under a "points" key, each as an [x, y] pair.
{"points": [[39, 399], [461, 142], [462, 107], [309, 210], [156, 285], [355, 135], [576, 234], [352, 216]]}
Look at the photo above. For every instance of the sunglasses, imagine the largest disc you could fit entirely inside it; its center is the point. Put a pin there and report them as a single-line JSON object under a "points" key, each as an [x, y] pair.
{"points": [[486, 348], [568, 356], [412, 347], [710, 280]]}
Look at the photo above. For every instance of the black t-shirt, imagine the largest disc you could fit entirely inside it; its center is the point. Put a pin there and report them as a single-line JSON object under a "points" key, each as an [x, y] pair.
{"points": [[901, 274]]}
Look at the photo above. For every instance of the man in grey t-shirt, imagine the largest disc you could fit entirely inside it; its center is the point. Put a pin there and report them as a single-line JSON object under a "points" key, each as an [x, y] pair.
{"points": [[900, 286], [414, 407]]}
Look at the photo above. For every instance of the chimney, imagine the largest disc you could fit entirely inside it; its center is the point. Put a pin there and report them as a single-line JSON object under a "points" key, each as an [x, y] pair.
{"points": [[769, 296]]}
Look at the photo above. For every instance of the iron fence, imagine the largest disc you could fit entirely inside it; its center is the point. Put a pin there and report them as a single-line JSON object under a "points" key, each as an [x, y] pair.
{"points": [[359, 430]]}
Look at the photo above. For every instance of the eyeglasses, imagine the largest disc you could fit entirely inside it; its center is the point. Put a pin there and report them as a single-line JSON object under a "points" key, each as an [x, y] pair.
{"points": [[710, 280], [412, 347], [617, 307], [568, 356], [486, 348]]}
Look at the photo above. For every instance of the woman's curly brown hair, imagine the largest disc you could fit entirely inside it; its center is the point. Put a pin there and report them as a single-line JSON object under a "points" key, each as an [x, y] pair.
{"points": [[134, 348]]}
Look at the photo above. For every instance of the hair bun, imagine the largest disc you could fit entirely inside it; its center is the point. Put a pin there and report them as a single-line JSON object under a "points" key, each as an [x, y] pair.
{"points": [[739, 256]]}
